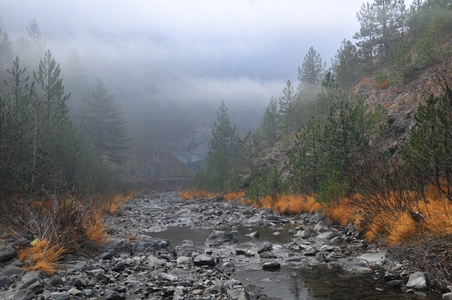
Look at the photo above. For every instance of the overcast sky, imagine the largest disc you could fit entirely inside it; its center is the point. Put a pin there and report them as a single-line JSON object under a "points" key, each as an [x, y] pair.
{"points": [[232, 50]]}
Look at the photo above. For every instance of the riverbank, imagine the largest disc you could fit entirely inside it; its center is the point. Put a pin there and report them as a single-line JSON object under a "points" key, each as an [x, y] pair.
{"points": [[164, 247]]}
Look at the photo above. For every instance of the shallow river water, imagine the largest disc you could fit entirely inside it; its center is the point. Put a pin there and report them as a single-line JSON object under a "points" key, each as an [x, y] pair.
{"points": [[293, 280]]}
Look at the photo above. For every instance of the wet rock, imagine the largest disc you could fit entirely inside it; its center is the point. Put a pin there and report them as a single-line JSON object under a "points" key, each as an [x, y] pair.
{"points": [[265, 247], [305, 234], [7, 253], [254, 221], [271, 266], [254, 234], [417, 281], [75, 292], [218, 238], [395, 283], [326, 235], [447, 296], [28, 279], [267, 255], [204, 260]]}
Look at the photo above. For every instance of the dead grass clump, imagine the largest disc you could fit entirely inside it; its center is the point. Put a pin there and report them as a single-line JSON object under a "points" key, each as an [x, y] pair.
{"points": [[96, 231], [403, 230], [43, 256], [341, 212], [194, 194], [231, 196], [291, 204]]}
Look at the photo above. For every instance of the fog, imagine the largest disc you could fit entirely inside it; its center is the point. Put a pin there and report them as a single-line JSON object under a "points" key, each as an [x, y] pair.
{"points": [[167, 59], [189, 50]]}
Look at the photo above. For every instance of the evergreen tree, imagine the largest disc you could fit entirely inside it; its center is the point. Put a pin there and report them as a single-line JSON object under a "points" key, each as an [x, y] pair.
{"points": [[55, 140], [286, 108], [269, 124], [345, 65], [104, 123], [16, 127], [310, 73], [428, 153], [224, 152], [382, 22]]}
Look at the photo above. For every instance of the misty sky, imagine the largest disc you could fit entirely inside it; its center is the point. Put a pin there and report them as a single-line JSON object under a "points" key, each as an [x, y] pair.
{"points": [[209, 50]]}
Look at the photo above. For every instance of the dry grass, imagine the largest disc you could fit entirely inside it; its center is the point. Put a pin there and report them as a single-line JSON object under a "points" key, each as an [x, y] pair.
{"points": [[291, 204], [43, 256], [194, 194], [119, 199], [96, 231], [234, 196], [341, 212]]}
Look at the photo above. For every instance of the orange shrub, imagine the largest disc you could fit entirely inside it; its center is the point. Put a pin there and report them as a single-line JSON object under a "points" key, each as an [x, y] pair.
{"points": [[231, 196], [384, 85], [96, 230], [403, 230], [193, 194], [44, 257], [341, 212], [365, 80]]}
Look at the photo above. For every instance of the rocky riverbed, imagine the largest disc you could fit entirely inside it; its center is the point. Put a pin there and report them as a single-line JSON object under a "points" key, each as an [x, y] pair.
{"points": [[163, 247]]}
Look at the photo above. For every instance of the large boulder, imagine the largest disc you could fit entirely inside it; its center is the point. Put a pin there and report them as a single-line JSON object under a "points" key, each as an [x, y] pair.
{"points": [[417, 281]]}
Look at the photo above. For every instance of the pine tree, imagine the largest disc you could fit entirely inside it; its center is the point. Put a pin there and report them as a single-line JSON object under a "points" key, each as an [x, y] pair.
{"points": [[55, 139], [286, 107], [269, 124], [311, 73], [16, 127], [225, 151], [345, 65], [104, 123], [382, 22]]}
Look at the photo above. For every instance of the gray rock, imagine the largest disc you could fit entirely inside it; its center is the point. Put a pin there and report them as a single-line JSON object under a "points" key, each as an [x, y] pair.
{"points": [[255, 221], [114, 295], [327, 235], [271, 266], [36, 287], [5, 282], [7, 253], [155, 262], [417, 281], [75, 292], [25, 294], [101, 276], [13, 271], [267, 255], [119, 266], [254, 234], [55, 280], [265, 247], [28, 279], [80, 266], [88, 293], [183, 261], [166, 276], [204, 260], [108, 254], [59, 295], [395, 283], [447, 296], [218, 238]]}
